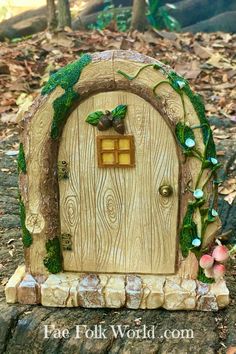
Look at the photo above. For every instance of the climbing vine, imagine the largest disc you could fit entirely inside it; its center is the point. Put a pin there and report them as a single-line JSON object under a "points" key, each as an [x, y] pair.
{"points": [[26, 236], [66, 78], [21, 159], [189, 237]]}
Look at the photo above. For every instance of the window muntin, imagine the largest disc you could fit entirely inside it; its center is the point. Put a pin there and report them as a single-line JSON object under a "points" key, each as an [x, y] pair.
{"points": [[115, 151]]}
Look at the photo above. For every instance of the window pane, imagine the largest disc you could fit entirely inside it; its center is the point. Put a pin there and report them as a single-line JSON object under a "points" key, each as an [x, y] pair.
{"points": [[108, 158], [124, 144], [124, 159], [108, 144]]}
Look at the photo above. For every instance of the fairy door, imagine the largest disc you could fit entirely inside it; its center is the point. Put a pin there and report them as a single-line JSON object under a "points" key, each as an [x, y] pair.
{"points": [[115, 217]]}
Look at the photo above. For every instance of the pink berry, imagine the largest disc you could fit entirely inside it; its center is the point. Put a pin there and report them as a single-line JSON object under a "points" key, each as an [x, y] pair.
{"points": [[206, 261], [219, 271], [220, 253], [209, 273]]}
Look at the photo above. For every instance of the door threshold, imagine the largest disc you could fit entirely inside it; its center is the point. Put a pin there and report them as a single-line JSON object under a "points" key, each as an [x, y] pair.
{"points": [[70, 289]]}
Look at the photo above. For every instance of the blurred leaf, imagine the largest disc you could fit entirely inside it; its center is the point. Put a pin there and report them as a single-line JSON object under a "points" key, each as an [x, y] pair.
{"points": [[93, 118]]}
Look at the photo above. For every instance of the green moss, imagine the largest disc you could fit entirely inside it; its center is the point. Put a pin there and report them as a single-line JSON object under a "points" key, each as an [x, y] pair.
{"points": [[189, 230], [66, 78], [61, 106], [26, 236], [21, 159], [175, 80], [196, 100], [199, 107], [53, 260], [183, 132]]}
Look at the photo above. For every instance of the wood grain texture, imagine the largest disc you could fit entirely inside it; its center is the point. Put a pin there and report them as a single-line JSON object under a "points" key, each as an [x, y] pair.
{"points": [[39, 187], [122, 224], [38, 201]]}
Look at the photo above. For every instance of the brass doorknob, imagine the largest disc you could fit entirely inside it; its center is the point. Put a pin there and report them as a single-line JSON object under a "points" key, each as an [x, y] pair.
{"points": [[166, 191]]}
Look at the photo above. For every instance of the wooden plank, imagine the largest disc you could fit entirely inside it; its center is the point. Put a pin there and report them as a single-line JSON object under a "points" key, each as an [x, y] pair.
{"points": [[110, 202], [137, 181], [86, 173], [165, 171], [70, 191], [122, 225]]}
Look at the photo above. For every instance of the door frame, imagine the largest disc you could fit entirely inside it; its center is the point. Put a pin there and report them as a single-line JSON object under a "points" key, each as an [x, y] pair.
{"points": [[41, 195]]}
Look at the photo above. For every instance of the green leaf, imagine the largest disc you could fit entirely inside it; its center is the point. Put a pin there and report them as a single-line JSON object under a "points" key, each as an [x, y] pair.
{"points": [[175, 79], [119, 111], [188, 232], [210, 150], [183, 132], [204, 212], [93, 118]]}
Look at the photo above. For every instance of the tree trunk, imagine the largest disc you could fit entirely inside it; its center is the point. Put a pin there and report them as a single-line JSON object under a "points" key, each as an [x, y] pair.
{"points": [[94, 6], [51, 15], [189, 12], [224, 22], [83, 21], [24, 27], [139, 21], [98, 5], [64, 16]]}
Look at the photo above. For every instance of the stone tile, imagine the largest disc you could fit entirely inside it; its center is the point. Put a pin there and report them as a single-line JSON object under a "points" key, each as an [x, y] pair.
{"points": [[202, 288], [221, 293], [133, 291], [180, 296], [153, 294], [60, 290], [90, 292], [175, 296], [73, 281], [207, 303], [14, 281], [146, 293], [189, 285], [28, 291], [115, 292]]}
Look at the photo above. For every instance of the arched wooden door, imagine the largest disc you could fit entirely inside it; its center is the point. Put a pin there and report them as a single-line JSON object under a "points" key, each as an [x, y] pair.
{"points": [[118, 221]]}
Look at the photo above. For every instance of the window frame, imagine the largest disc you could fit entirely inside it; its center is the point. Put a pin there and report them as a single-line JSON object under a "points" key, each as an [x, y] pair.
{"points": [[116, 151]]}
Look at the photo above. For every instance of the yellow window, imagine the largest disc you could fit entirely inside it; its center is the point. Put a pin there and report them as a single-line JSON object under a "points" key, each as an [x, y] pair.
{"points": [[115, 151]]}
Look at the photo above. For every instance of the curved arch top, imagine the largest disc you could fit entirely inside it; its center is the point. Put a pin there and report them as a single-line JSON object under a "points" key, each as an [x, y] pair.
{"points": [[118, 220]]}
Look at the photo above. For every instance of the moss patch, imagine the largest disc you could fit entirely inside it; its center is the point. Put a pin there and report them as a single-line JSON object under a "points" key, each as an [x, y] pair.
{"points": [[188, 232], [199, 107], [21, 159], [183, 132], [53, 260], [66, 78], [26, 236]]}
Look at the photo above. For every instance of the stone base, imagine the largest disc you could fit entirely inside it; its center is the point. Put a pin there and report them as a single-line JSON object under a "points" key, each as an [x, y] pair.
{"points": [[115, 291]]}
